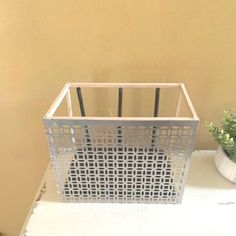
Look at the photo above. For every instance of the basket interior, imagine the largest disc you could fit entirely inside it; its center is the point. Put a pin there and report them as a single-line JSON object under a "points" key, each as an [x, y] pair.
{"points": [[136, 102]]}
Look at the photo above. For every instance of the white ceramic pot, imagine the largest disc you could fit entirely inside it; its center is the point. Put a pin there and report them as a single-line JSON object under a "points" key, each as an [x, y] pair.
{"points": [[225, 166]]}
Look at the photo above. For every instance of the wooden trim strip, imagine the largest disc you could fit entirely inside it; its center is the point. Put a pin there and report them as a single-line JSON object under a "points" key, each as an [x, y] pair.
{"points": [[179, 103], [189, 102], [119, 118], [57, 101], [124, 85], [69, 106]]}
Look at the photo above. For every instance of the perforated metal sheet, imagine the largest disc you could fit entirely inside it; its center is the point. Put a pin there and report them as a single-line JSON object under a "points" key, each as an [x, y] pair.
{"points": [[120, 161]]}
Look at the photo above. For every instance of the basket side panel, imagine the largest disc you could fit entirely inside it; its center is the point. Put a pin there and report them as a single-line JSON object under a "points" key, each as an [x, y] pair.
{"points": [[120, 161]]}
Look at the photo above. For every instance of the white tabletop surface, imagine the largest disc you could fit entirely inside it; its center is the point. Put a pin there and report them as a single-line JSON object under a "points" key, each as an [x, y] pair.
{"points": [[208, 208]]}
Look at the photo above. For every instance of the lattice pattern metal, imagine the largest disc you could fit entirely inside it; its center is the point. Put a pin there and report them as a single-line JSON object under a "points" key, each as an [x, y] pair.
{"points": [[121, 161]]}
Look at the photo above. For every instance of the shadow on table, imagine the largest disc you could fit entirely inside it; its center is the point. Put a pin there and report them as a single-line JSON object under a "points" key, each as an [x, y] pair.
{"points": [[203, 173]]}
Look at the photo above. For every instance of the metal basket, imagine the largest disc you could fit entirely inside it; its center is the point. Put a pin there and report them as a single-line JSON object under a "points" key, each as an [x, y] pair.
{"points": [[120, 158]]}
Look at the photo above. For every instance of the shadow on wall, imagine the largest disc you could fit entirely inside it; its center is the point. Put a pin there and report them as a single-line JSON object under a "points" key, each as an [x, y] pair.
{"points": [[203, 173]]}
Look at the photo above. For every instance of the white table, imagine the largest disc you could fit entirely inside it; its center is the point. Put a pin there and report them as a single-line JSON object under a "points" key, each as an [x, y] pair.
{"points": [[208, 208]]}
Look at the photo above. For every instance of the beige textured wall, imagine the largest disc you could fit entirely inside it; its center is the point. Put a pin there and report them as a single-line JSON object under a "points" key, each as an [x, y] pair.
{"points": [[45, 43]]}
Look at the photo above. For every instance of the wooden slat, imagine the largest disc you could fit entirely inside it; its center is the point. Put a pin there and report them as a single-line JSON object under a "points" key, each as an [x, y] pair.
{"points": [[69, 106], [57, 101], [189, 102], [125, 85], [120, 118], [179, 103]]}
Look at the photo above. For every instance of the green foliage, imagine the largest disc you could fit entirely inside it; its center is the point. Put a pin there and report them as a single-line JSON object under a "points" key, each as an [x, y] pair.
{"points": [[226, 134]]}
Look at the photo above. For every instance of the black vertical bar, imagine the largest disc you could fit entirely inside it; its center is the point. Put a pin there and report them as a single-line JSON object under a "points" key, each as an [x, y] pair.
{"points": [[120, 102], [156, 110], [119, 129], [81, 103], [157, 99]]}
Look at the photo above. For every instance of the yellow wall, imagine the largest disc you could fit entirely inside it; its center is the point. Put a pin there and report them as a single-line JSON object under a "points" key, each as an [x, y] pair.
{"points": [[45, 43]]}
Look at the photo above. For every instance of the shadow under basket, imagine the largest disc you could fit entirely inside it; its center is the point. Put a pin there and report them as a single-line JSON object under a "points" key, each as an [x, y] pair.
{"points": [[120, 159]]}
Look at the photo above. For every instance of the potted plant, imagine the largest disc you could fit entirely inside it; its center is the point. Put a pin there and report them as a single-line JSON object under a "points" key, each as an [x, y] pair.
{"points": [[225, 136]]}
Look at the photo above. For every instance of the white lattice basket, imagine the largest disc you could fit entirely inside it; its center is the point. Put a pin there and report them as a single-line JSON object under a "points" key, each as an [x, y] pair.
{"points": [[100, 157]]}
